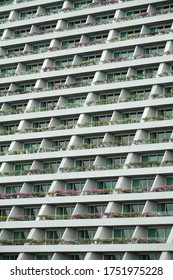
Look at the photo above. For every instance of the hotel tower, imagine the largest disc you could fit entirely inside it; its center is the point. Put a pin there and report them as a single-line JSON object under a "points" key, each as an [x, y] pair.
{"points": [[86, 129]]}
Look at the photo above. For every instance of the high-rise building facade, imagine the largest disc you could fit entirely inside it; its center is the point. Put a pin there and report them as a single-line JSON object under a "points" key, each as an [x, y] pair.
{"points": [[86, 129]]}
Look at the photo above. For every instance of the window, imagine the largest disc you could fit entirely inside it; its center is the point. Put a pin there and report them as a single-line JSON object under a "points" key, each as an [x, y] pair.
{"points": [[32, 68], [15, 51], [112, 257], [107, 18], [53, 9], [123, 233], [124, 54], [138, 94], [54, 234], [160, 28], [43, 257], [169, 181], [26, 87], [54, 165], [8, 70], [84, 80], [31, 146], [130, 208], [47, 104], [112, 97], [9, 257], [5, 211], [124, 139], [76, 101], [165, 208], [164, 8], [168, 91], [93, 141], [112, 77], [101, 185], [161, 233], [100, 118], [83, 163], [95, 58], [68, 122], [12, 189], [146, 73], [160, 136], [19, 106], [21, 32], [22, 167], [69, 43], [41, 188], [4, 148], [47, 28], [63, 143], [20, 234], [31, 211], [3, 18], [94, 209], [40, 47], [43, 124], [75, 186], [148, 158], [132, 115], [132, 14], [63, 62], [152, 256], [82, 4], [152, 50], [10, 127], [76, 23], [75, 257], [116, 162], [98, 38], [142, 182], [129, 33], [63, 211], [55, 84], [27, 14], [88, 233], [165, 112]]}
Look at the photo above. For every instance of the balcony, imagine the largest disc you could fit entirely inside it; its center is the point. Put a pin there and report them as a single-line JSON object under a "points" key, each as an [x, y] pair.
{"points": [[78, 241]]}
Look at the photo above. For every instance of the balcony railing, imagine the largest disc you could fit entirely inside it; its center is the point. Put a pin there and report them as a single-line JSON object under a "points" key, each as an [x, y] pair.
{"points": [[158, 118], [38, 129], [56, 193], [144, 15], [77, 241], [90, 168], [139, 35], [72, 216], [85, 146], [135, 214], [39, 109], [29, 172], [145, 189], [102, 123], [133, 190], [22, 195], [140, 56], [36, 150], [148, 164], [8, 2], [42, 50], [88, 6], [115, 38], [85, 64]]}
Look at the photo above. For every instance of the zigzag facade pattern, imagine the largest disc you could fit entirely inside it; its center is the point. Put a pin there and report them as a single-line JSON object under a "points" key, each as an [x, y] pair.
{"points": [[86, 108]]}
